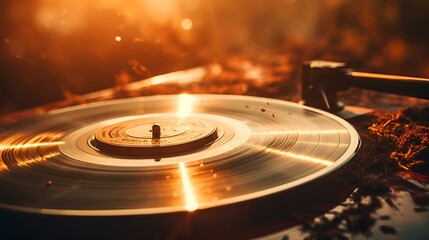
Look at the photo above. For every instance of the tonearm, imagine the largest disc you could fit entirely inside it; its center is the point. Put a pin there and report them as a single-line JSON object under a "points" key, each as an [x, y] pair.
{"points": [[322, 80]]}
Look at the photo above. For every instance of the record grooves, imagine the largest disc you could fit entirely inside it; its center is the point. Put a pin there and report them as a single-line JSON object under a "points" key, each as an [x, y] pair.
{"points": [[259, 153], [166, 156], [246, 220]]}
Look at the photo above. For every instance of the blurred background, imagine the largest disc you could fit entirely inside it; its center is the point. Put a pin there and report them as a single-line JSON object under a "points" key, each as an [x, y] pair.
{"points": [[51, 49]]}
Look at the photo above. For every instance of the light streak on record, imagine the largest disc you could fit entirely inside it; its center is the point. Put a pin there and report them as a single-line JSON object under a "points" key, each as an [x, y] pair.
{"points": [[191, 201], [185, 107], [295, 155], [303, 132]]}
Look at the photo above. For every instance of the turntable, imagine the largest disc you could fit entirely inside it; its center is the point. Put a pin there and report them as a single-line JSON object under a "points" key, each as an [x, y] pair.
{"points": [[188, 165]]}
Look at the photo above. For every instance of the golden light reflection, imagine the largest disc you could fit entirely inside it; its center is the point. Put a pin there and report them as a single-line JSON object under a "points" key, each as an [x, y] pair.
{"points": [[295, 155], [254, 73], [186, 24], [185, 107], [26, 162], [31, 145], [191, 201]]}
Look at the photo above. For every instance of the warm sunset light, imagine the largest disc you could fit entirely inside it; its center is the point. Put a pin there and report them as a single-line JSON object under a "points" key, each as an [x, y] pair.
{"points": [[219, 119]]}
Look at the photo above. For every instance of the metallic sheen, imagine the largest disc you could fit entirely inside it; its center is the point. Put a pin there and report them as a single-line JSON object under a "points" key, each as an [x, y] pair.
{"points": [[264, 146]]}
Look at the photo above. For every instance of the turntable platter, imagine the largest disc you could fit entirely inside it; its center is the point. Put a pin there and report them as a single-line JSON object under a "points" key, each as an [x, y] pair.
{"points": [[164, 154]]}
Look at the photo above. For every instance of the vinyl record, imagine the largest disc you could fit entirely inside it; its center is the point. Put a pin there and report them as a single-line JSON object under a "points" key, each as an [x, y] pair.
{"points": [[164, 154]]}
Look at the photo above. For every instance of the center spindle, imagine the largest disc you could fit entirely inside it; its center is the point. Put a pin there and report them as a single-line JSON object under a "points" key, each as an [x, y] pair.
{"points": [[156, 131], [144, 138]]}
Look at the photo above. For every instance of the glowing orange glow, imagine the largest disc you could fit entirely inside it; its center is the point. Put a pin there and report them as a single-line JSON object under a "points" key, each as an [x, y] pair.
{"points": [[186, 103], [295, 155], [32, 147], [191, 202], [67, 16], [26, 162], [161, 10], [118, 38], [181, 77], [254, 73], [21, 162], [186, 24]]}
